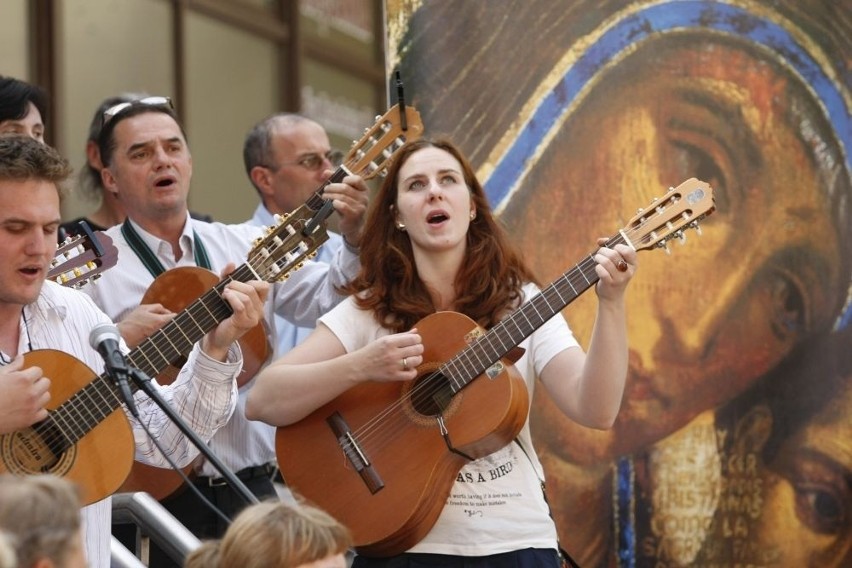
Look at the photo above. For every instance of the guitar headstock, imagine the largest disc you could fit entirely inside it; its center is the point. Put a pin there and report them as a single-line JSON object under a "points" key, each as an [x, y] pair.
{"points": [[681, 208], [82, 258], [296, 235], [286, 245], [370, 155]]}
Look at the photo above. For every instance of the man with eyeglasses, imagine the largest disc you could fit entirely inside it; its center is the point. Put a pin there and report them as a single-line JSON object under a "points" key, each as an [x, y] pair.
{"points": [[287, 158], [148, 165]]}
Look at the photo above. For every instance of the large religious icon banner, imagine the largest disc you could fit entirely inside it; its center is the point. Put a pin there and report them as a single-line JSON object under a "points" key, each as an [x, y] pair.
{"points": [[733, 446]]}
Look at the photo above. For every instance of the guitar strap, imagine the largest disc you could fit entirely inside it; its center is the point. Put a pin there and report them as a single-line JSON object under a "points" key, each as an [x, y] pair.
{"points": [[567, 561], [150, 260]]}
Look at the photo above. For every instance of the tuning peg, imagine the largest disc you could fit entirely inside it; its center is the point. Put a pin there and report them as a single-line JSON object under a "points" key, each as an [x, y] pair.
{"points": [[697, 228], [681, 237]]}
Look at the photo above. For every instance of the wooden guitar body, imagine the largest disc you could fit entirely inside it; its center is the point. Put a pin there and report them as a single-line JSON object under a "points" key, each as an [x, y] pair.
{"points": [[63, 447], [382, 457], [399, 431], [176, 289]]}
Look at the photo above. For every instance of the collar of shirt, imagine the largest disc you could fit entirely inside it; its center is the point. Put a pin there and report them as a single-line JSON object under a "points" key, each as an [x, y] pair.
{"points": [[163, 249]]}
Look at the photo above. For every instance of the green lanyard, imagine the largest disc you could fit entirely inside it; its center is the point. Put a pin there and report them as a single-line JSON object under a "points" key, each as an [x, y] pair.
{"points": [[150, 260]]}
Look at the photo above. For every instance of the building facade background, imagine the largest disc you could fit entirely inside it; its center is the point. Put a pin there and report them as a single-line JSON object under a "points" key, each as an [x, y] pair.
{"points": [[226, 64]]}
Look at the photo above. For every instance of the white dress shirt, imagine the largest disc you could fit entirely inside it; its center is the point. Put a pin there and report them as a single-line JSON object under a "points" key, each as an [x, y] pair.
{"points": [[287, 334], [204, 394], [302, 298]]}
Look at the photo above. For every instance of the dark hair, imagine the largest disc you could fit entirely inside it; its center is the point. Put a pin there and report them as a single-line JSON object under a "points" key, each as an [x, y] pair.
{"points": [[15, 96], [23, 158], [257, 148], [488, 283], [106, 137], [90, 177]]}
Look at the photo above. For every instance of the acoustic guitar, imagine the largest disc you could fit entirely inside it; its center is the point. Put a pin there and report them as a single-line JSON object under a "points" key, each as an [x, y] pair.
{"points": [[87, 437], [369, 158], [382, 457]]}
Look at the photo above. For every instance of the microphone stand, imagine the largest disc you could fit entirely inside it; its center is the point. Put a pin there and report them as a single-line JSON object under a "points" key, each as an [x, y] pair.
{"points": [[143, 381]]}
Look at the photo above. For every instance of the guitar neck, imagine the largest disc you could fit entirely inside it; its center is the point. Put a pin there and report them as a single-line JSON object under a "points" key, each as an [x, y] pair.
{"points": [[176, 338], [283, 250], [316, 201], [488, 348]]}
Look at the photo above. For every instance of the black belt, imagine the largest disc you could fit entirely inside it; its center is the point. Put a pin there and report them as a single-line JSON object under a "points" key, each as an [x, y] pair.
{"points": [[253, 472]]}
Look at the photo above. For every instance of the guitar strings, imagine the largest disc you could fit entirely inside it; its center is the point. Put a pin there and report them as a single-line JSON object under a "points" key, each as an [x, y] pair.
{"points": [[87, 408], [376, 432], [91, 404]]}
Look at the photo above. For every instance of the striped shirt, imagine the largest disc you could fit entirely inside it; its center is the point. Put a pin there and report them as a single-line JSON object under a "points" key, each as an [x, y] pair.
{"points": [[204, 394]]}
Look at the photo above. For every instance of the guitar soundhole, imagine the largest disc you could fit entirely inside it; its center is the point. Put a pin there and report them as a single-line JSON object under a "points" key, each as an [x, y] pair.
{"points": [[38, 449], [431, 394]]}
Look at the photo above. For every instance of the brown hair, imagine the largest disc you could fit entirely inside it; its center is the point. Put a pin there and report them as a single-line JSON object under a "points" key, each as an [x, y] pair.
{"points": [[491, 275], [22, 158], [274, 533], [41, 515]]}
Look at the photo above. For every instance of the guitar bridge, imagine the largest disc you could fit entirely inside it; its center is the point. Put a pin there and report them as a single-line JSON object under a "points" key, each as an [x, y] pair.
{"points": [[354, 453]]}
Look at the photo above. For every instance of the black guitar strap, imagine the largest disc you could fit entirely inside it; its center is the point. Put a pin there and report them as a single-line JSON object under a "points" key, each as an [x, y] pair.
{"points": [[150, 260]]}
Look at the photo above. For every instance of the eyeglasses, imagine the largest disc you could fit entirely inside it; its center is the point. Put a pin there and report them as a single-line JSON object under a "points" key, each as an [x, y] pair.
{"points": [[313, 162], [115, 110]]}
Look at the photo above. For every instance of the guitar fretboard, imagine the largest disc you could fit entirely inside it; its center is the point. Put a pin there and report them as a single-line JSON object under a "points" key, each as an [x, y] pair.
{"points": [[87, 408], [488, 348], [316, 201]]}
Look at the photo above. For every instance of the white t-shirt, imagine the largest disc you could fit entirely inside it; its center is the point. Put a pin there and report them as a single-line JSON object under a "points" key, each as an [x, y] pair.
{"points": [[496, 504]]}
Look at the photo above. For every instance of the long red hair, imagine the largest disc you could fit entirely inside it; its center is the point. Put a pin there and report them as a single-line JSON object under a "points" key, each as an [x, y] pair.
{"points": [[488, 283]]}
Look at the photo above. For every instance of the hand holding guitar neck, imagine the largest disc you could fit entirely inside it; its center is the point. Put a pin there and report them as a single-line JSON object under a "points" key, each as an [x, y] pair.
{"points": [[383, 456]]}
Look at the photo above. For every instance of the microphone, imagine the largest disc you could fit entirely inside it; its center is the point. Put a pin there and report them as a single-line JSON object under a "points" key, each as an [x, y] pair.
{"points": [[104, 338]]}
